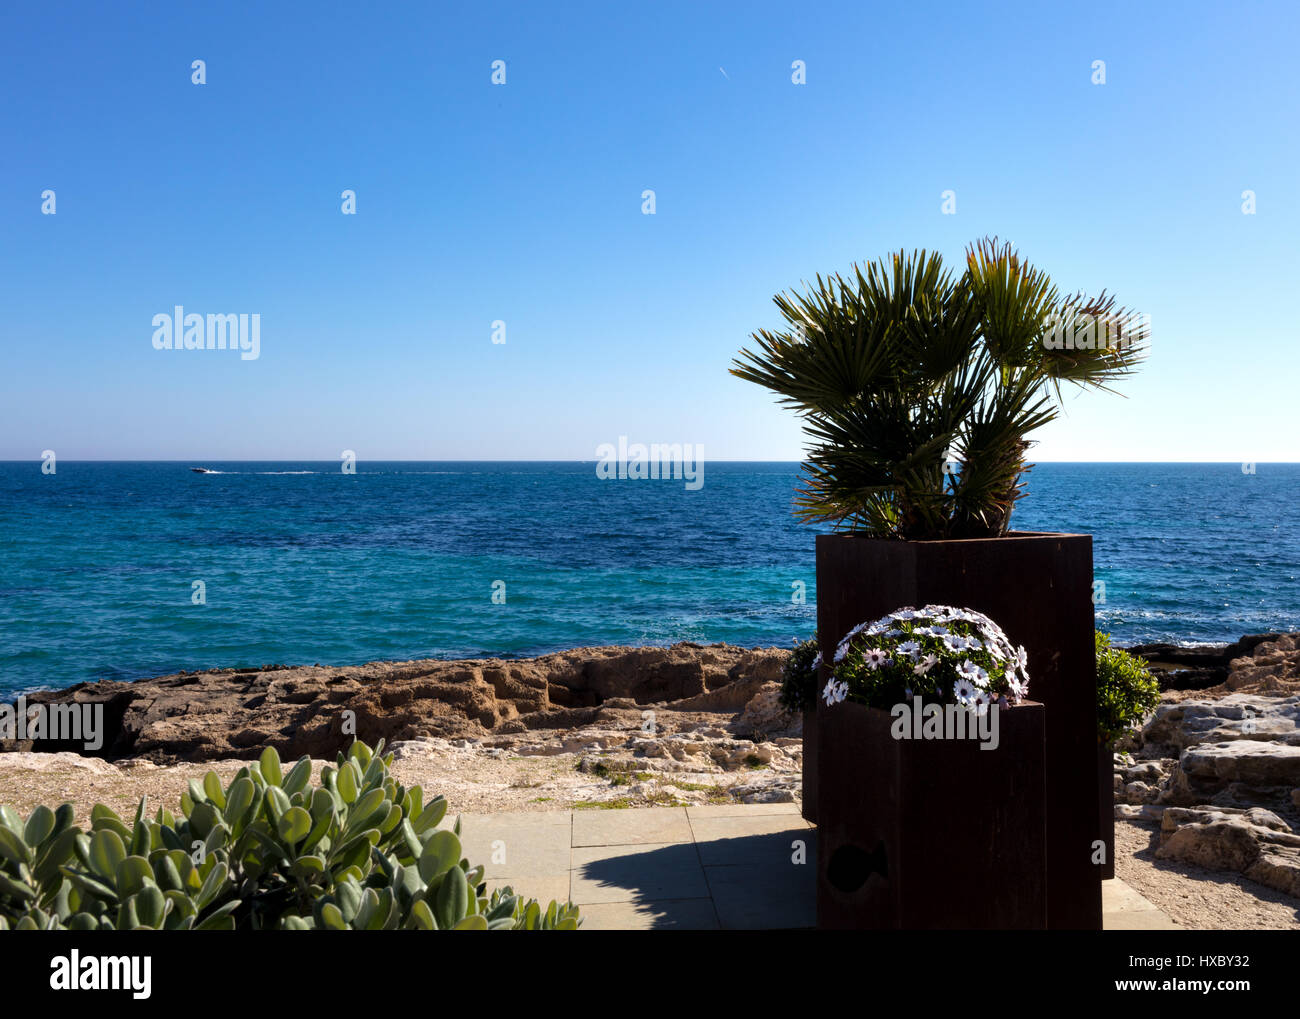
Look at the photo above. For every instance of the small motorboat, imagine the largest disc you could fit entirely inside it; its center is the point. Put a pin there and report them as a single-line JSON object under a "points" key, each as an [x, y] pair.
{"points": [[202, 470]]}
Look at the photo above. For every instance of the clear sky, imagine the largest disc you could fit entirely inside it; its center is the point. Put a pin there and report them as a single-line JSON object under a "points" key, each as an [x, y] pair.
{"points": [[522, 203]]}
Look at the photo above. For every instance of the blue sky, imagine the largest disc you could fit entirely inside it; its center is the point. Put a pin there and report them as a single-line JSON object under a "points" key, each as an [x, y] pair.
{"points": [[522, 202]]}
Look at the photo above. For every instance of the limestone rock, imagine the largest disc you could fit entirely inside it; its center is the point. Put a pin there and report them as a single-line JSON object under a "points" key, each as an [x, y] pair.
{"points": [[1254, 842], [1184, 668], [1140, 792], [764, 714], [1219, 768], [198, 716], [1177, 725], [29, 761], [1271, 667], [1241, 772]]}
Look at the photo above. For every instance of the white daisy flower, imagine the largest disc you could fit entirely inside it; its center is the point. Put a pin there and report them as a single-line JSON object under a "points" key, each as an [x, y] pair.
{"points": [[980, 703], [910, 649], [844, 645], [817, 662], [848, 637], [925, 665], [1022, 661], [968, 670], [828, 695], [954, 642], [905, 615], [963, 691], [1016, 687], [974, 643], [875, 658]]}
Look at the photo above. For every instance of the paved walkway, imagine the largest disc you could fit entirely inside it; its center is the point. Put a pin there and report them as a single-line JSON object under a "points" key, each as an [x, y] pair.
{"points": [[733, 867]]}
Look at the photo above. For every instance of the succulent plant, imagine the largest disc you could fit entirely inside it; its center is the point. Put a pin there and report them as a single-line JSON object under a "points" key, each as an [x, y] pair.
{"points": [[358, 851]]}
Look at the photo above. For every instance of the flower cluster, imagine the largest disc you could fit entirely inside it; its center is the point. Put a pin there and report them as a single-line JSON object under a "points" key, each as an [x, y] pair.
{"points": [[938, 653]]}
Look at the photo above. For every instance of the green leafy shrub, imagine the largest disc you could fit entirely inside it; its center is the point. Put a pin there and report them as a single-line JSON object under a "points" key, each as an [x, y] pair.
{"points": [[359, 851], [799, 676], [1126, 691]]}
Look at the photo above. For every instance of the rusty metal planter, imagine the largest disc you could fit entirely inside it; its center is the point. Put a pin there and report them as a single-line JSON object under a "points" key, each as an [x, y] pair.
{"points": [[809, 807], [931, 834], [1106, 790], [1038, 588]]}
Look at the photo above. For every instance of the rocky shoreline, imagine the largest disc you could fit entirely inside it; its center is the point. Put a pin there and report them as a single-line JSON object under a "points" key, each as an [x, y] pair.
{"points": [[1211, 781], [1196, 668], [613, 725], [1217, 767]]}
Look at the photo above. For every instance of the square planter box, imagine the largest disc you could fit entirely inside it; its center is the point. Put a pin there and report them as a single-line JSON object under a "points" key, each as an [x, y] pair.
{"points": [[1038, 588], [931, 834]]}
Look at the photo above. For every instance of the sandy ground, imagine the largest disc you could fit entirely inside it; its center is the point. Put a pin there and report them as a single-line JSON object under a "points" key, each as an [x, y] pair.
{"points": [[477, 785], [472, 781], [1194, 897]]}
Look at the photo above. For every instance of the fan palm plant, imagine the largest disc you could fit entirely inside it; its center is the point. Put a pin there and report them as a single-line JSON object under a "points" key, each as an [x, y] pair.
{"points": [[903, 367]]}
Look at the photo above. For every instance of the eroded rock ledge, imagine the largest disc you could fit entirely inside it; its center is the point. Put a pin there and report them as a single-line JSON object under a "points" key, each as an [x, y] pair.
{"points": [[1219, 768], [201, 716]]}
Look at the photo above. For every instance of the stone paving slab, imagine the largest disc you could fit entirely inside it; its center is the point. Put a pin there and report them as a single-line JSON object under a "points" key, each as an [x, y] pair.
{"points": [[637, 873], [742, 810], [508, 846], [1119, 896], [714, 867], [540, 818], [762, 839], [1138, 920], [1124, 908], [530, 886], [751, 896], [630, 827], [680, 915]]}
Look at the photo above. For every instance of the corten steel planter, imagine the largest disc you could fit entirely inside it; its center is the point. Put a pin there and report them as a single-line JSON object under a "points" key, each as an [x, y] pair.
{"points": [[931, 834], [1106, 790], [1038, 588], [809, 807]]}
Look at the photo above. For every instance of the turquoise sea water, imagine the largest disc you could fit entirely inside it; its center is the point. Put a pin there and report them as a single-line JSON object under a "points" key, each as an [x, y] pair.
{"points": [[302, 563]]}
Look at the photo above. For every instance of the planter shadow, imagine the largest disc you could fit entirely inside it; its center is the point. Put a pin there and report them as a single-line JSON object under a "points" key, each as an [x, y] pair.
{"points": [[726, 882]]}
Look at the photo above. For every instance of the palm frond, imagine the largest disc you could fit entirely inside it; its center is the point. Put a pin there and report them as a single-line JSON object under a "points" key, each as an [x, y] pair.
{"points": [[899, 365]]}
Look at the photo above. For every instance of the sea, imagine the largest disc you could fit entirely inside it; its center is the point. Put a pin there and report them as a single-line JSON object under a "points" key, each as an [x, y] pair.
{"points": [[115, 570]]}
